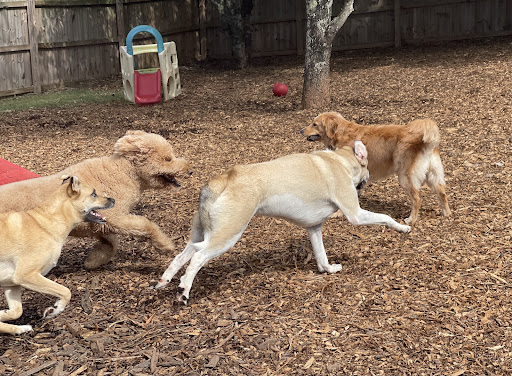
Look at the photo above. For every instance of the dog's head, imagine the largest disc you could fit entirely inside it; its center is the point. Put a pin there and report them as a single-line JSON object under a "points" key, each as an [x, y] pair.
{"points": [[324, 128], [153, 158], [84, 200]]}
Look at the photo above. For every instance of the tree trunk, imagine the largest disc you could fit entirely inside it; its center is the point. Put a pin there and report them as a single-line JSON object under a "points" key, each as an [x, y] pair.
{"points": [[320, 32], [317, 55], [235, 15]]}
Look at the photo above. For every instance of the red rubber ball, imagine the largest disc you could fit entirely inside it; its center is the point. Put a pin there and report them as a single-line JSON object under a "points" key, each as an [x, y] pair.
{"points": [[280, 90]]}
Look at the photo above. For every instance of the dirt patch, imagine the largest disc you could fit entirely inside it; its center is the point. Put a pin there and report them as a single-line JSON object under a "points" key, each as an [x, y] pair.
{"points": [[434, 302]]}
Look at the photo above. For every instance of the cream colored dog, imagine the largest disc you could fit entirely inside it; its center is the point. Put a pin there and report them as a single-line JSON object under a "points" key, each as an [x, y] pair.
{"points": [[31, 243], [411, 151], [304, 189], [140, 161]]}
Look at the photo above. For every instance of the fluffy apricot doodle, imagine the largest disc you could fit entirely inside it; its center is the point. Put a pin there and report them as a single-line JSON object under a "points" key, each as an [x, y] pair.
{"points": [[140, 161], [411, 151], [304, 189], [31, 242]]}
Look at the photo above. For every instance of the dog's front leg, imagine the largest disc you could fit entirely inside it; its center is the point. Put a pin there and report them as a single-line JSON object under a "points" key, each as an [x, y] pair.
{"points": [[365, 217], [315, 235], [139, 225], [13, 297], [36, 282]]}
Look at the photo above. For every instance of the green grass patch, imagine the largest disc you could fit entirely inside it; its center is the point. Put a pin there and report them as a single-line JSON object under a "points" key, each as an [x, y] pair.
{"points": [[64, 98]]}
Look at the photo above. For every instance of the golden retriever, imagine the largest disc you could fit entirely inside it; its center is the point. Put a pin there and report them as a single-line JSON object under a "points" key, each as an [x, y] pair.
{"points": [[140, 161], [410, 151]]}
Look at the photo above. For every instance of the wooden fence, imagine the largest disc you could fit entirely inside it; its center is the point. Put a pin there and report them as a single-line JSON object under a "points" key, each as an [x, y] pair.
{"points": [[47, 42]]}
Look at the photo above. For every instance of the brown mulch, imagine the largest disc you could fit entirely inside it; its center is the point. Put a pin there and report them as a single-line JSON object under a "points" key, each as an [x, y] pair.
{"points": [[437, 301]]}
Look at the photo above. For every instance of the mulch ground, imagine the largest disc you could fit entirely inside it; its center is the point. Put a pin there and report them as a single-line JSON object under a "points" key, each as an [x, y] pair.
{"points": [[436, 301]]}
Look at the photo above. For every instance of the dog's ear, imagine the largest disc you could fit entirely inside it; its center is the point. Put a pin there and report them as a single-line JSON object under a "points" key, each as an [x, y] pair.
{"points": [[132, 145], [65, 178], [135, 132], [361, 153], [331, 125], [73, 187]]}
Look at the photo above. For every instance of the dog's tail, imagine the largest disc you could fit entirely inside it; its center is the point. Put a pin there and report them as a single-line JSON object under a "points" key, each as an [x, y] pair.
{"points": [[428, 130]]}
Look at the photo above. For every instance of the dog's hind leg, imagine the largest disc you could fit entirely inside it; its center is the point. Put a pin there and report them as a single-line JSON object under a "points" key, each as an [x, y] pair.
{"points": [[36, 282], [220, 242], [315, 235], [435, 181], [13, 297], [196, 237], [103, 251], [413, 191]]}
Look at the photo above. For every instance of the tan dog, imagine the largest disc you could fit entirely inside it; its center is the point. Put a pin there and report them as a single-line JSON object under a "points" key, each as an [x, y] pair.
{"points": [[410, 151], [31, 243], [304, 189], [140, 161]]}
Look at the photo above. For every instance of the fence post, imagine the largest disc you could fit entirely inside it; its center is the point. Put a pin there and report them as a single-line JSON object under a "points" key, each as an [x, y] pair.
{"points": [[120, 22], [398, 36], [201, 34], [34, 48], [299, 25]]}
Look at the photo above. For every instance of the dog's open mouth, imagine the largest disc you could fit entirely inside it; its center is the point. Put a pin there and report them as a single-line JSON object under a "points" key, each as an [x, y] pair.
{"points": [[313, 137], [170, 179], [94, 216]]}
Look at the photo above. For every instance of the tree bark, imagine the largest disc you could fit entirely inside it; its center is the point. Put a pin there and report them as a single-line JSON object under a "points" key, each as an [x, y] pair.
{"points": [[235, 15], [320, 32]]}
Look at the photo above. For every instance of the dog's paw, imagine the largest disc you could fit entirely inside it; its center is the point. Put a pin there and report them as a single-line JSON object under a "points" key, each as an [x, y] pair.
{"points": [[155, 285], [337, 214], [165, 245], [181, 297], [23, 329], [405, 229], [409, 221], [331, 268], [51, 312]]}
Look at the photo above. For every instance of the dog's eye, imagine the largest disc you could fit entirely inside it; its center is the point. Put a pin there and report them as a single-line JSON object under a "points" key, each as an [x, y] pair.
{"points": [[168, 159], [314, 125], [93, 194]]}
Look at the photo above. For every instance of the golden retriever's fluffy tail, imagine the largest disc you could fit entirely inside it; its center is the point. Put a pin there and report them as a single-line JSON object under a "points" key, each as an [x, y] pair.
{"points": [[428, 128]]}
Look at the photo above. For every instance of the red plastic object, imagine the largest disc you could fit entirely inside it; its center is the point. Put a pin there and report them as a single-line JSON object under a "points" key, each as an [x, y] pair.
{"points": [[279, 89], [148, 87], [9, 172]]}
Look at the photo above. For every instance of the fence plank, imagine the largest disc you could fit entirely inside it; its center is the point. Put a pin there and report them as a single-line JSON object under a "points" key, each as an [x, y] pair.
{"points": [[34, 50], [398, 34], [300, 15], [121, 34], [79, 39]]}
